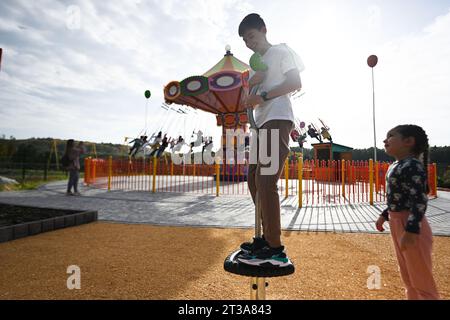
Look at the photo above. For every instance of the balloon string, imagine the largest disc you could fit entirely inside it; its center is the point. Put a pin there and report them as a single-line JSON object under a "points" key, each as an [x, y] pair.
{"points": [[146, 105]]}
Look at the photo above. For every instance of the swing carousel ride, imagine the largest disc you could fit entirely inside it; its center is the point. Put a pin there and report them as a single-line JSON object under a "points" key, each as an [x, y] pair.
{"points": [[221, 91]]}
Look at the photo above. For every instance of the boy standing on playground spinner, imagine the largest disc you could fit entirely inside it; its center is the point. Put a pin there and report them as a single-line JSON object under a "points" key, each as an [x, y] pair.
{"points": [[406, 193], [273, 113]]}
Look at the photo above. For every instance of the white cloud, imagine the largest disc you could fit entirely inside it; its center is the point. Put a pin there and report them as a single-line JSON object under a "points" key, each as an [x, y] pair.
{"points": [[411, 83], [88, 82]]}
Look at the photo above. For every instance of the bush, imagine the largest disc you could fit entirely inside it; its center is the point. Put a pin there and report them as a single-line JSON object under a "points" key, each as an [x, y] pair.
{"points": [[444, 181]]}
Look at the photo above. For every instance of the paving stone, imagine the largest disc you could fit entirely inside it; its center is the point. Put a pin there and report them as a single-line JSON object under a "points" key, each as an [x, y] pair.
{"points": [[228, 211]]}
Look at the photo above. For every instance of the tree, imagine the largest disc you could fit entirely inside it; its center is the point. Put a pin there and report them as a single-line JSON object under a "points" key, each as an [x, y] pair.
{"points": [[25, 153]]}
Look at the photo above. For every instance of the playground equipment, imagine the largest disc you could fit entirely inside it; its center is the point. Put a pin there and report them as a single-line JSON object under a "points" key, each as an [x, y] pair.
{"points": [[143, 132], [53, 151], [257, 275], [221, 91], [141, 142]]}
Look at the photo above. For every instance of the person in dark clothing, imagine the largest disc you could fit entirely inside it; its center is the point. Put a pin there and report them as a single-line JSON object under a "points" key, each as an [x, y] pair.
{"points": [[137, 144], [73, 153], [406, 194], [164, 143], [313, 133]]}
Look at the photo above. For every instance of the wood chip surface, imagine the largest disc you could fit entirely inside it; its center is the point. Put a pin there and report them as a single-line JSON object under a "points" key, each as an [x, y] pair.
{"points": [[126, 261]]}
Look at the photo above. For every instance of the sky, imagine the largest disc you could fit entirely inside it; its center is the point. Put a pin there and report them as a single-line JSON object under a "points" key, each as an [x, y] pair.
{"points": [[78, 69]]}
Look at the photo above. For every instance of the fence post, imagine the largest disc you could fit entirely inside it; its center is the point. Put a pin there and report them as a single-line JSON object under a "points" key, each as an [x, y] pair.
{"points": [[435, 179], [94, 170], [286, 177], [154, 175], [377, 182], [343, 176], [300, 181], [217, 177], [150, 173], [109, 172], [87, 171], [371, 181]]}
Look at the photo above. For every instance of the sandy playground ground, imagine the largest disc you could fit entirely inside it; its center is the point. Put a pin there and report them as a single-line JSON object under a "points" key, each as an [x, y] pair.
{"points": [[126, 261]]}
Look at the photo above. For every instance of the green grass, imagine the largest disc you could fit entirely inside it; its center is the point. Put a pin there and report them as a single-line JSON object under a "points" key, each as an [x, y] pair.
{"points": [[33, 179], [29, 184]]}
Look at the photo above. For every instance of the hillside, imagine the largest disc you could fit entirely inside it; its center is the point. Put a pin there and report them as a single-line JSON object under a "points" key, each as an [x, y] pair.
{"points": [[38, 150]]}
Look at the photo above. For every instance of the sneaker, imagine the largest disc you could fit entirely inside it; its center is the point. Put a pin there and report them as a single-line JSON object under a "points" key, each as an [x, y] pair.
{"points": [[266, 257], [257, 244], [77, 194], [68, 193]]}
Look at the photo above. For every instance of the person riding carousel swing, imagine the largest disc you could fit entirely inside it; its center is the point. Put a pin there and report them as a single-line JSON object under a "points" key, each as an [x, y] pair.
{"points": [[325, 132], [156, 143], [141, 142], [198, 140], [312, 132], [138, 143], [164, 143], [298, 137], [297, 134]]}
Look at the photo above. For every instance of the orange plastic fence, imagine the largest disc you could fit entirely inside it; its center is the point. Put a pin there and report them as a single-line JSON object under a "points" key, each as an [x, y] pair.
{"points": [[323, 181]]}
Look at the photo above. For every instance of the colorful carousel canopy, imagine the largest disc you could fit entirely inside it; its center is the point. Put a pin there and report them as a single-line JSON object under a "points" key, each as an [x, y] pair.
{"points": [[221, 90], [228, 63]]}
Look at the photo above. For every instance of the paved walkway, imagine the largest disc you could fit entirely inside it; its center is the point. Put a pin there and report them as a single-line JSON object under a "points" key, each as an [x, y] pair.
{"points": [[190, 209]]}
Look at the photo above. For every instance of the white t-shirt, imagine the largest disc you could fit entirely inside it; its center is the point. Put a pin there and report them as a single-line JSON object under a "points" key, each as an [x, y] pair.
{"points": [[280, 59]]}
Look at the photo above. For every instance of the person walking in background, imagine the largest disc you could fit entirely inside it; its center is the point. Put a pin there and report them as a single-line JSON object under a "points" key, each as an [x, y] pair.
{"points": [[72, 153]]}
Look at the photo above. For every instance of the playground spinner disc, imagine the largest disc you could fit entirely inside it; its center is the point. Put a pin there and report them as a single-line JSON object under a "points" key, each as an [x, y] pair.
{"points": [[232, 265]]}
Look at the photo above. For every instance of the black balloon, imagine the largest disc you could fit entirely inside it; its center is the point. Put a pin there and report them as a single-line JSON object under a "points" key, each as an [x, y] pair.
{"points": [[372, 61]]}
